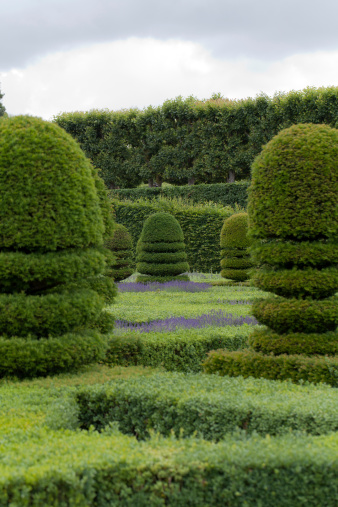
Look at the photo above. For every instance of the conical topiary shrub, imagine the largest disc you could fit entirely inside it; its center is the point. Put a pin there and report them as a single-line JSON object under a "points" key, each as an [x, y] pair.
{"points": [[120, 265], [160, 252], [51, 224], [293, 220], [235, 259]]}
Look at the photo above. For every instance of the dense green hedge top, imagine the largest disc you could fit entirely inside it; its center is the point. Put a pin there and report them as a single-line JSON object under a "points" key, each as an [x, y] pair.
{"points": [[294, 188], [161, 228], [234, 231], [49, 199]]}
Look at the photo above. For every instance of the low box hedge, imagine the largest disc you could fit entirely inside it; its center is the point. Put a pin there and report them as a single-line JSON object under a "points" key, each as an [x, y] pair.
{"points": [[209, 405], [297, 367], [227, 194], [181, 350], [87, 469], [40, 466]]}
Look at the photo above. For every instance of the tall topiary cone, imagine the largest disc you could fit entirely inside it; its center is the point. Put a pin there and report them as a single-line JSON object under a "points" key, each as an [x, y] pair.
{"points": [[235, 259], [120, 244], [293, 221], [51, 225], [160, 252]]}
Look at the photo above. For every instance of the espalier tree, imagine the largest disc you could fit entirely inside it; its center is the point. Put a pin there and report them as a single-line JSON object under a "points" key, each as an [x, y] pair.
{"points": [[160, 251], [51, 228], [235, 259], [120, 244]]}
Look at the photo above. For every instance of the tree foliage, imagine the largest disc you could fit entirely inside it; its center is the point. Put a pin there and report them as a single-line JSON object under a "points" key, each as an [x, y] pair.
{"points": [[186, 140]]}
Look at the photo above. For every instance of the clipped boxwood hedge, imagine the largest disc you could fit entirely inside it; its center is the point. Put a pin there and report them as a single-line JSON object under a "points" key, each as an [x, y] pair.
{"points": [[209, 405], [248, 363], [270, 342], [181, 350], [118, 470], [44, 462], [31, 357], [227, 194]]}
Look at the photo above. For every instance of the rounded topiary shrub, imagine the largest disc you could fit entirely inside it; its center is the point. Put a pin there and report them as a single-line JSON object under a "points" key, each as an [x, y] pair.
{"points": [[160, 252], [52, 224], [120, 244], [235, 259], [293, 222], [293, 213]]}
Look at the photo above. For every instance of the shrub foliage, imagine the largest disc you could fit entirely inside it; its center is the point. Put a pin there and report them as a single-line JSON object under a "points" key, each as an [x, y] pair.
{"points": [[161, 249], [235, 259], [293, 218], [52, 220], [120, 244]]}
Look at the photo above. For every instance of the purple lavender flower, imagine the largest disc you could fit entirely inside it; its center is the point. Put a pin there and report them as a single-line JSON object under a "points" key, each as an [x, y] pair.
{"points": [[217, 319], [176, 285]]}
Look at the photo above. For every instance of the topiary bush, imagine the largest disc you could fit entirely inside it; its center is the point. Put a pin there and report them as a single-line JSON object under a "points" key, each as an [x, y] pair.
{"points": [[293, 222], [52, 224], [235, 259], [120, 244], [160, 251]]}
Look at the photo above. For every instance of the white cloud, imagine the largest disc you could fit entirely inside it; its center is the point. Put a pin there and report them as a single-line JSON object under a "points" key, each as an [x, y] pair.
{"points": [[139, 72]]}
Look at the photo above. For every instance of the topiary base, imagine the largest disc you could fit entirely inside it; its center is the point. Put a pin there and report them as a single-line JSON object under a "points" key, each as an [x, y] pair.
{"points": [[30, 357], [267, 341], [296, 368], [161, 279]]}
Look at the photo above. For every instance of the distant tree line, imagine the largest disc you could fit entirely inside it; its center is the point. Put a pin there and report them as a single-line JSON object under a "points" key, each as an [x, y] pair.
{"points": [[189, 140]]}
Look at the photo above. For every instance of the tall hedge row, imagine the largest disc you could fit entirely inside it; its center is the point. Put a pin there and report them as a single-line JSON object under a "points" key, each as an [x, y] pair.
{"points": [[201, 226], [191, 141]]}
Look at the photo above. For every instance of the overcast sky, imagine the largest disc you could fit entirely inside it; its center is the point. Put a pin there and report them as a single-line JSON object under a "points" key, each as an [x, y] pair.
{"points": [[77, 55]]}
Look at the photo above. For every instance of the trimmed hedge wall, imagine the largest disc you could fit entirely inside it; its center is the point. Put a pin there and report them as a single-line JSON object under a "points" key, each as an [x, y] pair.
{"points": [[298, 368], [46, 463], [208, 405], [201, 226], [181, 350], [227, 194], [55, 468]]}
